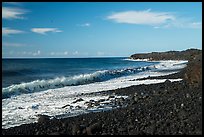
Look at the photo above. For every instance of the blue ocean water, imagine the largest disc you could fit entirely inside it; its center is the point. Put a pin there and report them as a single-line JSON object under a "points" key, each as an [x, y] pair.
{"points": [[60, 72]]}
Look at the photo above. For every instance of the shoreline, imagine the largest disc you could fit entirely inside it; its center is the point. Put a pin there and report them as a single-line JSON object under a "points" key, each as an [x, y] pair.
{"points": [[151, 109]]}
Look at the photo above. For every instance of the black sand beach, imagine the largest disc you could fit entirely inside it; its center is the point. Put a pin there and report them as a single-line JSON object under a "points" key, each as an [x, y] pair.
{"points": [[168, 108]]}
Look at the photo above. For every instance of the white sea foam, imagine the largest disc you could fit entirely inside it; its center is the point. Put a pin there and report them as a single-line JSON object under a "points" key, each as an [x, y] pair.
{"points": [[41, 85], [24, 108], [129, 59], [170, 65], [164, 64]]}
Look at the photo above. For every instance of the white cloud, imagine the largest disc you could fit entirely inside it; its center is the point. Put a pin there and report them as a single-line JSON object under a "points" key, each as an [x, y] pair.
{"points": [[13, 3], [59, 53], [195, 25], [25, 53], [45, 30], [145, 17], [75, 53], [181, 24], [156, 19], [99, 53], [65, 53], [7, 31], [8, 44], [36, 53], [52, 53], [85, 25], [12, 13]]}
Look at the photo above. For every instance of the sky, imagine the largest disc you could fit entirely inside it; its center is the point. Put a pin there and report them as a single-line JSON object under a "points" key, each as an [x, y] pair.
{"points": [[98, 29]]}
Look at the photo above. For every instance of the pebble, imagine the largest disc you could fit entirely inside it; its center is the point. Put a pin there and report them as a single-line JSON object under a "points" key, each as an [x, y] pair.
{"points": [[187, 95]]}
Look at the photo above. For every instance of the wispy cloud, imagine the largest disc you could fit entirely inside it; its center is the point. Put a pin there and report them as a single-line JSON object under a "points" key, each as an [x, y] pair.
{"points": [[12, 3], [75, 53], [65, 53], [141, 17], [196, 25], [99, 53], [13, 13], [181, 24], [186, 24], [84, 25], [7, 31], [155, 19], [27, 53], [8, 44], [45, 30], [37, 53], [59, 53]]}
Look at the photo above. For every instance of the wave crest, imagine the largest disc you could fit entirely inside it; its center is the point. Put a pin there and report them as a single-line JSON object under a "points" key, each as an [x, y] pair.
{"points": [[40, 85]]}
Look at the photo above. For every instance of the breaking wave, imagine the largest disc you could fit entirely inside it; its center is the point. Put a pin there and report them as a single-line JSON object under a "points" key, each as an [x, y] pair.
{"points": [[59, 82]]}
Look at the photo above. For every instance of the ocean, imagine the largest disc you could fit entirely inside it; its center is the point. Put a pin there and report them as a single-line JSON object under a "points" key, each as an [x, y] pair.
{"points": [[43, 86]]}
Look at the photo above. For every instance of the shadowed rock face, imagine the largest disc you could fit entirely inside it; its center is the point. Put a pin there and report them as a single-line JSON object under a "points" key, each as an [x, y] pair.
{"points": [[170, 55], [193, 72]]}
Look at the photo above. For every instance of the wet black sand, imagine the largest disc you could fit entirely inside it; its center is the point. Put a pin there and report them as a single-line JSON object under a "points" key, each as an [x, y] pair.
{"points": [[167, 108]]}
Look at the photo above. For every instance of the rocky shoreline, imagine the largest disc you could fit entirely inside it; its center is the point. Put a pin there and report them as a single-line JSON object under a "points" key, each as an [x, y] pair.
{"points": [[168, 108]]}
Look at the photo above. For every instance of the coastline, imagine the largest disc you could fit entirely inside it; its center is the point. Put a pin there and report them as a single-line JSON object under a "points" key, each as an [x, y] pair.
{"points": [[164, 108]]}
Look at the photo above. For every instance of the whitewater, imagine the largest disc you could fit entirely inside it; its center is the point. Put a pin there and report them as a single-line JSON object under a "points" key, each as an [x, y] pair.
{"points": [[23, 102]]}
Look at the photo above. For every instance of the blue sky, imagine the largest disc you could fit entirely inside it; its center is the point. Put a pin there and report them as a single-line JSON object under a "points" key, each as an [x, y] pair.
{"points": [[98, 29]]}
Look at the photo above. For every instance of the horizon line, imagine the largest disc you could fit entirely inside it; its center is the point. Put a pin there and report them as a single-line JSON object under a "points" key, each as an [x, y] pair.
{"points": [[61, 57]]}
